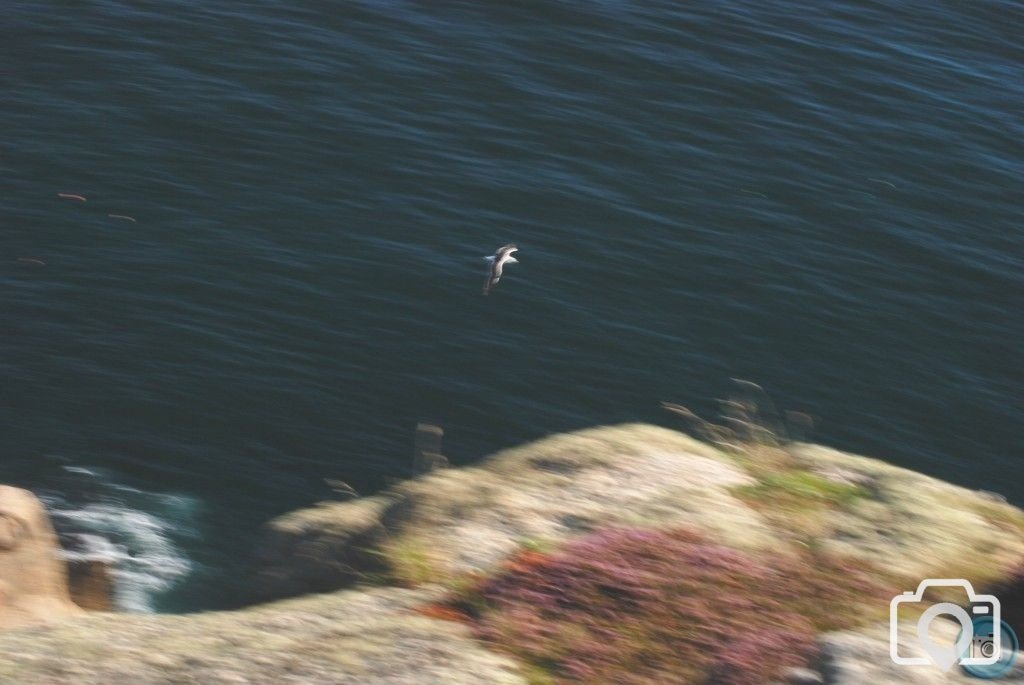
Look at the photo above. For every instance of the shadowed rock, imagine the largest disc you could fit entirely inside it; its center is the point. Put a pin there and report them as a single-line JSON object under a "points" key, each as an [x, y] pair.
{"points": [[92, 585], [320, 548]]}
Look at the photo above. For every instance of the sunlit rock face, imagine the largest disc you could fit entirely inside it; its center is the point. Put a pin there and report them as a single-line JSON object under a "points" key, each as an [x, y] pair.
{"points": [[33, 579]]}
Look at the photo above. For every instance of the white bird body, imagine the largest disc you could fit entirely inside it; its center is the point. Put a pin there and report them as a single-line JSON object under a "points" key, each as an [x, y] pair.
{"points": [[498, 261]]}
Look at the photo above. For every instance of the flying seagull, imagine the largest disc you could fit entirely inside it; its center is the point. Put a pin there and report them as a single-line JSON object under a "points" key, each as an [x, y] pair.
{"points": [[498, 261]]}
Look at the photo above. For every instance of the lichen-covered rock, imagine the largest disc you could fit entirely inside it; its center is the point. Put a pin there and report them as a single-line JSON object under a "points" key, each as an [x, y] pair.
{"points": [[457, 520], [347, 638], [914, 525], [33, 579], [468, 519]]}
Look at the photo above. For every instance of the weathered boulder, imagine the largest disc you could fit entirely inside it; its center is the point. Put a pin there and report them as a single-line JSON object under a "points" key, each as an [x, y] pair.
{"points": [[33, 579], [347, 638]]}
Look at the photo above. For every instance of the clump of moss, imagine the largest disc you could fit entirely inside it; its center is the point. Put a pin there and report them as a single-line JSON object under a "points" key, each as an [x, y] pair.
{"points": [[795, 489], [640, 606], [408, 562], [752, 431]]}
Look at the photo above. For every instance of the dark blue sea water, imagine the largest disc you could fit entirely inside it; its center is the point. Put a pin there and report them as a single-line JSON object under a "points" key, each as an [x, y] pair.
{"points": [[823, 197]]}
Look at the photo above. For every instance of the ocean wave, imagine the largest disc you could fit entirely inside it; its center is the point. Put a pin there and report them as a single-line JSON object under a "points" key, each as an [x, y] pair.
{"points": [[132, 530]]}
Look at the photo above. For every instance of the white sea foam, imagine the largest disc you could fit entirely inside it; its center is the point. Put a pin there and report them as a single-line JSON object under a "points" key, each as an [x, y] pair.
{"points": [[132, 530]]}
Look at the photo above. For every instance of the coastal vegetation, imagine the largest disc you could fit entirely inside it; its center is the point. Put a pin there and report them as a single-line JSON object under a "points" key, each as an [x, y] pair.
{"points": [[628, 605], [617, 554]]}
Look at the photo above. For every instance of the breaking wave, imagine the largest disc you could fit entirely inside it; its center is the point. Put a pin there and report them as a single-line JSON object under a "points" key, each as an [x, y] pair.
{"points": [[134, 531]]}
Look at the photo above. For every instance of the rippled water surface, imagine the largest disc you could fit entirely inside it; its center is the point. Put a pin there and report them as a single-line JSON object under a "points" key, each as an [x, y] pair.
{"points": [[822, 197]]}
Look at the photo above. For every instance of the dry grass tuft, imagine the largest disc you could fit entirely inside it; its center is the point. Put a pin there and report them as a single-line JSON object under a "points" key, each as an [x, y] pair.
{"points": [[750, 428]]}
